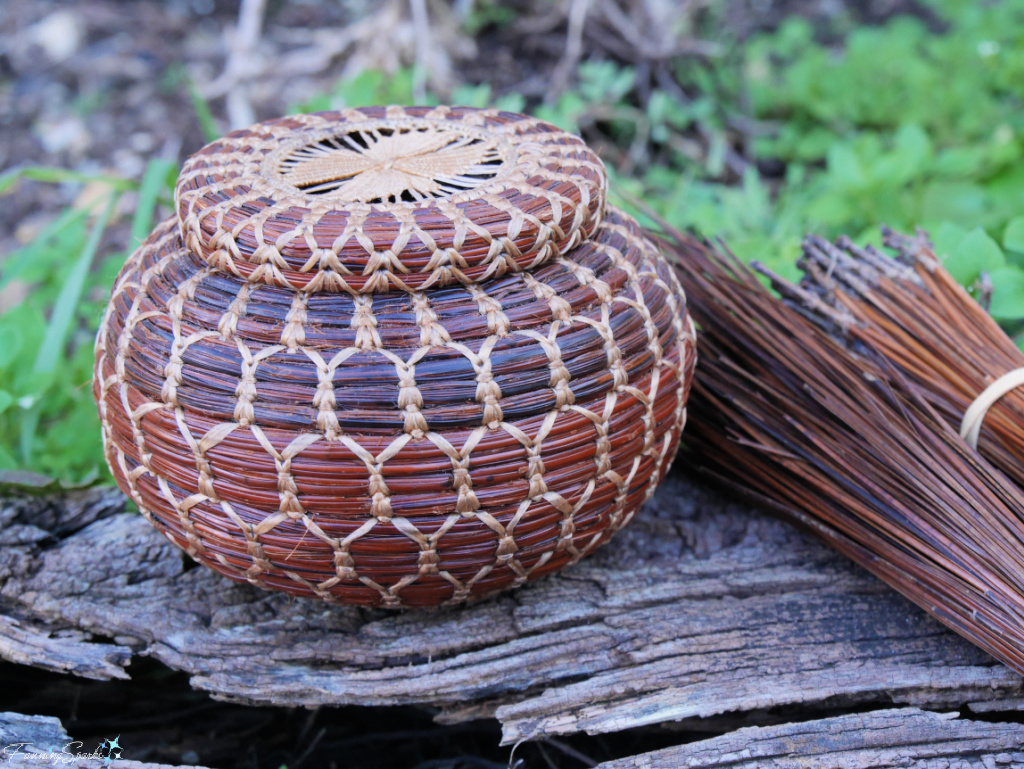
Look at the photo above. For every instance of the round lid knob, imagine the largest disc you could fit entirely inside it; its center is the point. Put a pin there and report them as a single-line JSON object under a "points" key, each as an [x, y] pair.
{"points": [[385, 198]]}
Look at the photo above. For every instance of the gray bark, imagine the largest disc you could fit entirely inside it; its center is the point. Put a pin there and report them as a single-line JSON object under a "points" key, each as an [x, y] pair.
{"points": [[700, 608], [33, 735], [908, 738], [42, 741]]}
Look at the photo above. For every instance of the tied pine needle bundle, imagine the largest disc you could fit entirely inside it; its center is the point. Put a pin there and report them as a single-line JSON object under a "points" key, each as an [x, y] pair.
{"points": [[852, 452], [912, 311]]}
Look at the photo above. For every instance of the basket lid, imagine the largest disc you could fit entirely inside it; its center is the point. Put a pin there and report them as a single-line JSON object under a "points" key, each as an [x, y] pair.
{"points": [[383, 198]]}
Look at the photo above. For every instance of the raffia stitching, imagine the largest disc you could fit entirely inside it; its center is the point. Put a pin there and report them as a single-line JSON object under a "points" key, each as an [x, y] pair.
{"points": [[240, 170], [246, 542]]}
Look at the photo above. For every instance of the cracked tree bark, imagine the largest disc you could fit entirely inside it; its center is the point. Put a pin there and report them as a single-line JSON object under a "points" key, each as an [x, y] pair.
{"points": [[42, 741], [907, 737], [702, 608]]}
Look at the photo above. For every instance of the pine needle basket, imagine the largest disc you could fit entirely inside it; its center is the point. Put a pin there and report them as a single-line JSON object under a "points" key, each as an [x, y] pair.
{"points": [[393, 357]]}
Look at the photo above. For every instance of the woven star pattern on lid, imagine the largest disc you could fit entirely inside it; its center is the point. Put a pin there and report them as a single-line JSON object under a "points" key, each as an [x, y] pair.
{"points": [[411, 447], [377, 199], [388, 165]]}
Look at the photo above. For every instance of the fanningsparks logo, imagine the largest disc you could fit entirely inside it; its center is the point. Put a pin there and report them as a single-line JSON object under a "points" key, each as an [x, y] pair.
{"points": [[24, 752]]}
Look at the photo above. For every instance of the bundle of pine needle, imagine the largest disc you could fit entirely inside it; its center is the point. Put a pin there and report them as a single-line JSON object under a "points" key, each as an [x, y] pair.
{"points": [[851, 450], [913, 312]]}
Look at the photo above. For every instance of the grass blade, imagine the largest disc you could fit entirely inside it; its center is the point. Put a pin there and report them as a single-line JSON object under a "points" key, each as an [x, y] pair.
{"points": [[207, 124], [16, 263], [154, 181], [58, 329], [47, 174]]}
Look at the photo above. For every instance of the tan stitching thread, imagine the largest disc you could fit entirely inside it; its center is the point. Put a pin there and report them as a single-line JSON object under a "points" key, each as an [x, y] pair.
{"points": [[417, 156], [552, 522]]}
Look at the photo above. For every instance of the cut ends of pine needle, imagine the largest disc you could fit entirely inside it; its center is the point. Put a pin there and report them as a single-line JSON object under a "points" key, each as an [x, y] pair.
{"points": [[796, 406]]}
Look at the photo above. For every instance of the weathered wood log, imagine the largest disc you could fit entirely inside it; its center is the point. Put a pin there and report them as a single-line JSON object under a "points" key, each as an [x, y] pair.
{"points": [[31, 735], [69, 651], [42, 741], [905, 737], [701, 607]]}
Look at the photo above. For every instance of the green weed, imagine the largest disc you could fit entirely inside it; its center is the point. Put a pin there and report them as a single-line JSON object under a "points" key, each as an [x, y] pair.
{"points": [[48, 421], [899, 124]]}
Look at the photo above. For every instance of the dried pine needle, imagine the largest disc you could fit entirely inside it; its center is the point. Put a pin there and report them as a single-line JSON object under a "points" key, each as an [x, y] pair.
{"points": [[836, 437], [913, 312]]}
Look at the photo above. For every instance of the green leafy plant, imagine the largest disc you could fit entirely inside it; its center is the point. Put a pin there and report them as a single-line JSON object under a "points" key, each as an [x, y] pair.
{"points": [[902, 124], [906, 123], [48, 420], [906, 126]]}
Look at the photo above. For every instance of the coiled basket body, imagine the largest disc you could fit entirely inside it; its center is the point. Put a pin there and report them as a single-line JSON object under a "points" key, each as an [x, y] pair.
{"points": [[393, 356]]}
